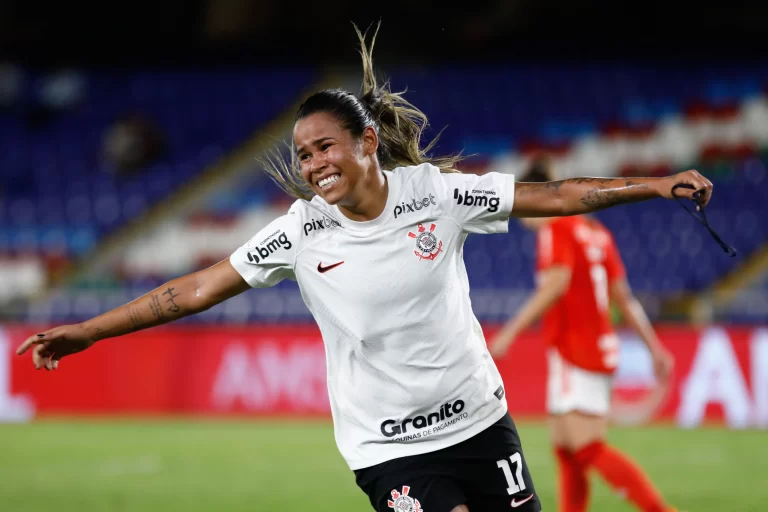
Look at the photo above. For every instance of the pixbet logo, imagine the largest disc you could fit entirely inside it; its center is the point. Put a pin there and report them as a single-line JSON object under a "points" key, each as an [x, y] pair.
{"points": [[314, 225], [476, 199], [414, 205], [265, 250], [390, 428]]}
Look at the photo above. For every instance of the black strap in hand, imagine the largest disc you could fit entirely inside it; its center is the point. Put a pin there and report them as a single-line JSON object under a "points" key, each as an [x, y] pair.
{"points": [[701, 216]]}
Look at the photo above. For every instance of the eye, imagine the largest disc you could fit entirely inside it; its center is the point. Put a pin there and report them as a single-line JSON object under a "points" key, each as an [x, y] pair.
{"points": [[325, 146], [303, 156]]}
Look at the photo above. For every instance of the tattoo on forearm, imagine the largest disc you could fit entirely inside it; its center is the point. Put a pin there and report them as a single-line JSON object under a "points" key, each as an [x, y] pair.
{"points": [[157, 308], [600, 198], [596, 193], [554, 184], [603, 197], [97, 333], [133, 313], [173, 308]]}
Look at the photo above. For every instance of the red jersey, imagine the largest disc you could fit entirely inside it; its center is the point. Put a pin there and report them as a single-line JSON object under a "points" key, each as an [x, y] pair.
{"points": [[578, 324]]}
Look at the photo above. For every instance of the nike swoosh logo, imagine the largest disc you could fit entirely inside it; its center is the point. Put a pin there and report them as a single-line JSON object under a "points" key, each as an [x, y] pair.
{"points": [[322, 269], [514, 503]]}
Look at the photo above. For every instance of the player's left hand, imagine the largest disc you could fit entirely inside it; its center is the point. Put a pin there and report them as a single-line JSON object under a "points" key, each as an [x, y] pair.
{"points": [[692, 177], [663, 362]]}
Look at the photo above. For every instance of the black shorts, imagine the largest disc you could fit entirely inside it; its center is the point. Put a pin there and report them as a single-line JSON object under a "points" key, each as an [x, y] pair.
{"points": [[487, 473]]}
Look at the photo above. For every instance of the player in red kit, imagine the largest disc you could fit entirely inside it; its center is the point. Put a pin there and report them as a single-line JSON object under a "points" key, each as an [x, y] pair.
{"points": [[580, 273]]}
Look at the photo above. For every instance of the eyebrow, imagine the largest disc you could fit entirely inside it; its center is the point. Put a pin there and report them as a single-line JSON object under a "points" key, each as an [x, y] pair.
{"points": [[314, 143]]}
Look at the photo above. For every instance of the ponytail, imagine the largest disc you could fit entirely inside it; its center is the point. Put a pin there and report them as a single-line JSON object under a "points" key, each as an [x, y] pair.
{"points": [[398, 124]]}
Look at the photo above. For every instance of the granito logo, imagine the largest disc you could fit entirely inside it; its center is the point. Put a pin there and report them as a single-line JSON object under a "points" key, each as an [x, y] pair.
{"points": [[414, 205], [271, 246], [478, 198], [390, 428], [314, 225]]}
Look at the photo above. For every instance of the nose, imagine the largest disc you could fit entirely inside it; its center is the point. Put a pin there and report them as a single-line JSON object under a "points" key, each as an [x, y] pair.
{"points": [[316, 164]]}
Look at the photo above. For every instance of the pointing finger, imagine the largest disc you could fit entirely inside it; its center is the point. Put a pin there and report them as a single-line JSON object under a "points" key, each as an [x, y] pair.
{"points": [[29, 342]]}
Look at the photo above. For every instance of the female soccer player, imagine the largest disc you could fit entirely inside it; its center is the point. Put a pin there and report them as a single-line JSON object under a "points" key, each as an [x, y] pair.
{"points": [[375, 244], [580, 271]]}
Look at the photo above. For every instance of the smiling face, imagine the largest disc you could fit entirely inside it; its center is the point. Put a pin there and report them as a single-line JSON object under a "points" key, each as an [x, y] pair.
{"points": [[332, 160]]}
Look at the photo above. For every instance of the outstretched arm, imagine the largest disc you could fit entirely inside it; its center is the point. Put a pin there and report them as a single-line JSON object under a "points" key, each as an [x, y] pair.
{"points": [[553, 283], [575, 196], [175, 299]]}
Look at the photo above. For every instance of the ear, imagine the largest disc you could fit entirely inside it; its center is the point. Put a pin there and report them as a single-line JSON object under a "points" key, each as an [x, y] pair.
{"points": [[370, 141]]}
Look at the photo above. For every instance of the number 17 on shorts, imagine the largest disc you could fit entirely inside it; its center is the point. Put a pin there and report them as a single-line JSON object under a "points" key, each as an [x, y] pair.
{"points": [[513, 474]]}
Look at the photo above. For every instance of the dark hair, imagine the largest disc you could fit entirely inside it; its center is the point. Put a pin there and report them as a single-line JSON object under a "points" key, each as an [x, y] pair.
{"points": [[539, 170], [398, 124]]}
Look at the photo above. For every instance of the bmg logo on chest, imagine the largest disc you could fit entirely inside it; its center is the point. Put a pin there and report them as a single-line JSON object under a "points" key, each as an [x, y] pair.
{"points": [[268, 247], [414, 205]]}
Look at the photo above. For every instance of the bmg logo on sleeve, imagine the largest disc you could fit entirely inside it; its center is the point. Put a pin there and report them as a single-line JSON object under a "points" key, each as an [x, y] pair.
{"points": [[477, 198], [268, 247]]}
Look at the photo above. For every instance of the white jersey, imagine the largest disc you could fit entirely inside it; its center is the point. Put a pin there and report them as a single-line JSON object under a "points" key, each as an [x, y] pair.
{"points": [[408, 367]]}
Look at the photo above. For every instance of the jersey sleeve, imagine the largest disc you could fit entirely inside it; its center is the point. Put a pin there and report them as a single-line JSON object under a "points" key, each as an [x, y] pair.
{"points": [[269, 257], [554, 247], [614, 266], [478, 203]]}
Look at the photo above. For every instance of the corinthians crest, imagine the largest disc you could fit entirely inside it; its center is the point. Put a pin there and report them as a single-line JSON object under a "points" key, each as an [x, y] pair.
{"points": [[401, 502], [427, 244]]}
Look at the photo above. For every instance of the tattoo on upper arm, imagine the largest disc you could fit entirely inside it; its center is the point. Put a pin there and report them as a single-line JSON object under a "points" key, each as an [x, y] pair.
{"points": [[174, 308], [156, 308]]}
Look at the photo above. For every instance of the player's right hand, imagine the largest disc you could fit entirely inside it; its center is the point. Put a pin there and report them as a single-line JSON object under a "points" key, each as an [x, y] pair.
{"points": [[499, 345], [50, 346], [497, 351], [663, 362]]}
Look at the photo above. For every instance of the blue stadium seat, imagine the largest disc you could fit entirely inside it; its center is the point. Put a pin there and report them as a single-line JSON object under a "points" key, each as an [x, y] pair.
{"points": [[57, 194], [52, 178]]}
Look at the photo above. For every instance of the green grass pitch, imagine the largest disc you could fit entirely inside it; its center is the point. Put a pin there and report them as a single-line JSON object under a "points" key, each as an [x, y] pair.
{"points": [[145, 465]]}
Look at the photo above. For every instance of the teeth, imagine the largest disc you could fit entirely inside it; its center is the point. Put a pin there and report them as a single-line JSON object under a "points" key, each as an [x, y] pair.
{"points": [[327, 181]]}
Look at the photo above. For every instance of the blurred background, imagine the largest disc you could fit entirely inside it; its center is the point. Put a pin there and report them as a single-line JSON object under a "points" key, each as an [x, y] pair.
{"points": [[129, 134]]}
